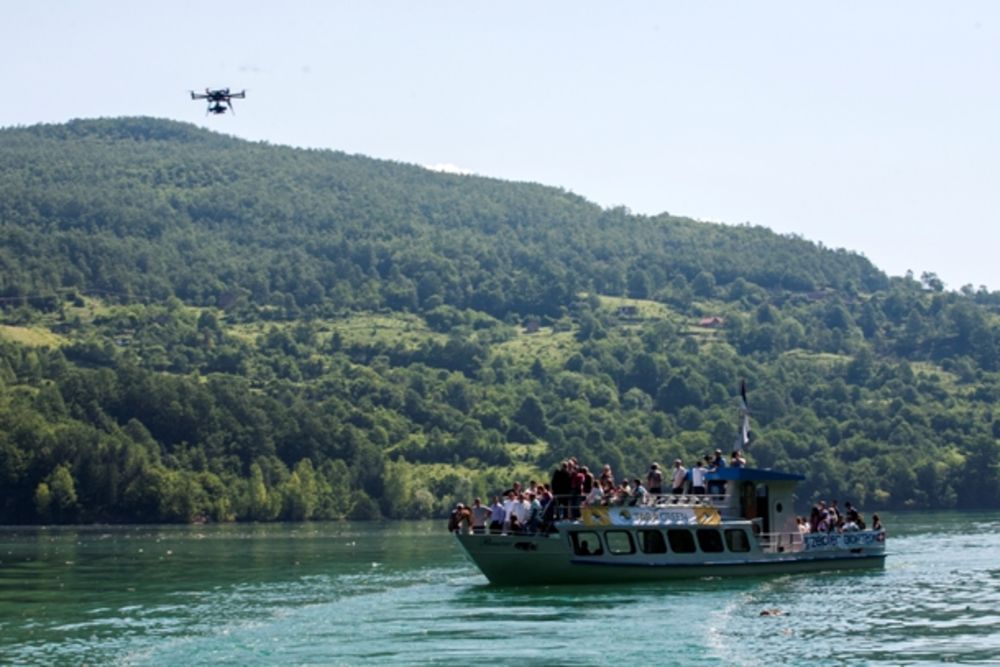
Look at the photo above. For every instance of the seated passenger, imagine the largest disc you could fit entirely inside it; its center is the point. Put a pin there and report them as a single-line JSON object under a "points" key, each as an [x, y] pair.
{"points": [[640, 496], [876, 523], [595, 497]]}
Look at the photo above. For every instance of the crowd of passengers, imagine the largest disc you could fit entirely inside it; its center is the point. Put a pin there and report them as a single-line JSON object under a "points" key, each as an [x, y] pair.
{"points": [[826, 518], [537, 506]]}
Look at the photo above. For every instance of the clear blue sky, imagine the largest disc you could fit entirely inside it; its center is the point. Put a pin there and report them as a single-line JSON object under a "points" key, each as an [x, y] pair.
{"points": [[869, 126]]}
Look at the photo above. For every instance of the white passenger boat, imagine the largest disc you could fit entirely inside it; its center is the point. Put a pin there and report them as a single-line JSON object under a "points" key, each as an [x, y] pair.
{"points": [[750, 529]]}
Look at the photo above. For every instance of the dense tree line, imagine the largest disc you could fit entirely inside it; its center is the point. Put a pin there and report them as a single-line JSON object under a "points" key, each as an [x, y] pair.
{"points": [[204, 289]]}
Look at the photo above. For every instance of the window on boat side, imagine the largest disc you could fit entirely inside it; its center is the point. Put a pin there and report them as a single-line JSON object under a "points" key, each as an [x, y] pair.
{"points": [[651, 542], [736, 540], [586, 543], [681, 541], [619, 542], [710, 540]]}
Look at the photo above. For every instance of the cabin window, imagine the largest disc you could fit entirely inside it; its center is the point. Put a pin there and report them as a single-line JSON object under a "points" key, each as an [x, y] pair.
{"points": [[619, 542], [652, 542], [681, 541], [586, 543], [710, 540], [737, 540]]}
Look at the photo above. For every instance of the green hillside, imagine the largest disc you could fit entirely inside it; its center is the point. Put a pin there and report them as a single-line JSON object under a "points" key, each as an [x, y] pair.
{"points": [[198, 327]]}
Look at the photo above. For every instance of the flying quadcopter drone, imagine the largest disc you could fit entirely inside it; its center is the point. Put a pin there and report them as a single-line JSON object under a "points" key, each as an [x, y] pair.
{"points": [[219, 100]]}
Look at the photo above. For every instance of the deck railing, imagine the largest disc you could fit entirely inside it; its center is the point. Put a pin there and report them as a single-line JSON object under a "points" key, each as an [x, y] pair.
{"points": [[781, 542], [651, 500]]}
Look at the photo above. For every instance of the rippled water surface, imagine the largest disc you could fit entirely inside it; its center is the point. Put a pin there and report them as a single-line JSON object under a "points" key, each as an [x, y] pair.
{"points": [[403, 593]]}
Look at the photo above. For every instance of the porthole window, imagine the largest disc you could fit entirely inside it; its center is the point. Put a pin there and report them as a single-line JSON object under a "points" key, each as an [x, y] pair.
{"points": [[777, 508]]}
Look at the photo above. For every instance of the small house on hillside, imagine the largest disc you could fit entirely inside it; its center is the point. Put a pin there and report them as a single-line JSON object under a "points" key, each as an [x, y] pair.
{"points": [[713, 322]]}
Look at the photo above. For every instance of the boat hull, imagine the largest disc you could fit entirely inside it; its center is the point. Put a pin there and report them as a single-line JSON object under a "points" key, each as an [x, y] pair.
{"points": [[547, 560]]}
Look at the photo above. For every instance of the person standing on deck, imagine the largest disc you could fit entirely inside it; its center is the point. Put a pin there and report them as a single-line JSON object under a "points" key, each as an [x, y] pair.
{"points": [[680, 477], [534, 522], [561, 489], [654, 479], [497, 516], [717, 487], [698, 473], [577, 479], [607, 475], [480, 515]]}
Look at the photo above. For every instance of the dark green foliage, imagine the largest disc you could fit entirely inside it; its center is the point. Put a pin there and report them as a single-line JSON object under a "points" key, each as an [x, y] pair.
{"points": [[207, 293]]}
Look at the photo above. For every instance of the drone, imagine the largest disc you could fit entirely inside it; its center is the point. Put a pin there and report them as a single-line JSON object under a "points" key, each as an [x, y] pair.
{"points": [[219, 100]]}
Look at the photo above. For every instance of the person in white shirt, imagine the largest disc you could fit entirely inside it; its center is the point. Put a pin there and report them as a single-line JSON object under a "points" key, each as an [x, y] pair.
{"points": [[698, 478], [497, 516], [680, 477]]}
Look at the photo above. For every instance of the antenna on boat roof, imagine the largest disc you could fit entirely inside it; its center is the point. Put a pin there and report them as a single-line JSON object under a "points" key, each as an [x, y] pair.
{"points": [[744, 439]]}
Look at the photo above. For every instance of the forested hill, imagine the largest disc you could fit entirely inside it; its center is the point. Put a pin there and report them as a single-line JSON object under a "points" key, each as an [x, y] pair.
{"points": [[152, 209], [198, 327]]}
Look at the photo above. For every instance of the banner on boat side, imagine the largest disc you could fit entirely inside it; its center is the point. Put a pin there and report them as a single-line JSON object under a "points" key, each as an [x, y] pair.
{"points": [[821, 541], [640, 516]]}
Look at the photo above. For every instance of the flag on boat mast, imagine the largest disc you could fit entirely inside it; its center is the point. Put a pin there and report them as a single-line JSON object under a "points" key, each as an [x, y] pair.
{"points": [[744, 441]]}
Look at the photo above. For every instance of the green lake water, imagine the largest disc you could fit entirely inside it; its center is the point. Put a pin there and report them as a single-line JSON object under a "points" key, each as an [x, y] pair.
{"points": [[403, 593]]}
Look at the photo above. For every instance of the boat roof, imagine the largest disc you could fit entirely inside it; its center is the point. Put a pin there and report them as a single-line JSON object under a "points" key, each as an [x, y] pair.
{"points": [[755, 475]]}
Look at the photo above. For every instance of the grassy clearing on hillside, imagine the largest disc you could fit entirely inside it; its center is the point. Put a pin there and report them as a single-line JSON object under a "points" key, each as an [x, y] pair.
{"points": [[823, 359], [644, 308], [31, 336], [949, 381], [549, 346], [403, 329]]}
